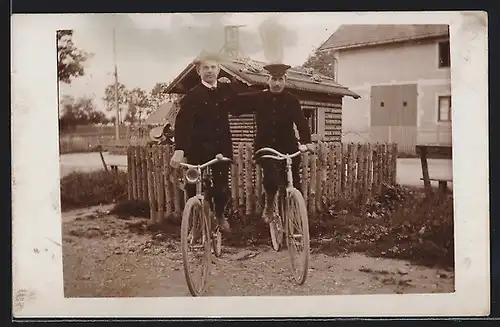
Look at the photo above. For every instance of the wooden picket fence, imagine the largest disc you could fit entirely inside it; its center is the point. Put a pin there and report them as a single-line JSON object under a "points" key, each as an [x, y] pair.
{"points": [[334, 170]]}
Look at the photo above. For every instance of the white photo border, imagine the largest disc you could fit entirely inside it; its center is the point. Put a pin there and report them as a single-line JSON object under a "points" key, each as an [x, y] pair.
{"points": [[38, 275]]}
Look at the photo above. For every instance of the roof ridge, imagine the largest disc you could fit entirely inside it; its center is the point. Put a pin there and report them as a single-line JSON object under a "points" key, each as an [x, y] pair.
{"points": [[357, 35]]}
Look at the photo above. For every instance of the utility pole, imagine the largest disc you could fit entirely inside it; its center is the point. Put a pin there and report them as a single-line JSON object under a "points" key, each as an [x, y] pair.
{"points": [[117, 104]]}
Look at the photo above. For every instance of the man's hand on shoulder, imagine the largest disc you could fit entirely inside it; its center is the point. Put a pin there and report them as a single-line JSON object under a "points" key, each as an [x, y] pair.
{"points": [[224, 80], [308, 147]]}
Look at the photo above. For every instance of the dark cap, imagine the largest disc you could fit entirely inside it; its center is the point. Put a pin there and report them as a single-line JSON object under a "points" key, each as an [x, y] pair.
{"points": [[277, 70]]}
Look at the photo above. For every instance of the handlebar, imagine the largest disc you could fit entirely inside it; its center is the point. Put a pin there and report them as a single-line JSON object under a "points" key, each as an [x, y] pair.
{"points": [[277, 155], [218, 158]]}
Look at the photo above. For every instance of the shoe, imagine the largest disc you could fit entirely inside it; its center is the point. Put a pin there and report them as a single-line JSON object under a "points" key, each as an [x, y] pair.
{"points": [[224, 225]]}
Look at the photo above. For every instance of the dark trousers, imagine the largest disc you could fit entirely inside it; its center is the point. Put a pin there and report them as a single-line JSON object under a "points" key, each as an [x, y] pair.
{"points": [[220, 190], [275, 174]]}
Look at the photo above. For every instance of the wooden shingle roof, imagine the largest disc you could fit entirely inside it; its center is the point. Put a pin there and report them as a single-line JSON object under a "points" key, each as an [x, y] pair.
{"points": [[354, 36], [250, 72]]}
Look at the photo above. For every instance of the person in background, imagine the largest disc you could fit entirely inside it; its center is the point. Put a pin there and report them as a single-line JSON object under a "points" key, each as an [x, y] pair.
{"points": [[277, 111], [201, 130]]}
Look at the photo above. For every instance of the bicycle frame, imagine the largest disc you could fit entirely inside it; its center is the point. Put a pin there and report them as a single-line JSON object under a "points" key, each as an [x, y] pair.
{"points": [[197, 172], [280, 156]]}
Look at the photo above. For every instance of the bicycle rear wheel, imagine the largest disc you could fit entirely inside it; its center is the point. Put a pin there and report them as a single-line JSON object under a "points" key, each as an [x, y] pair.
{"points": [[297, 228], [214, 232], [196, 257], [276, 225]]}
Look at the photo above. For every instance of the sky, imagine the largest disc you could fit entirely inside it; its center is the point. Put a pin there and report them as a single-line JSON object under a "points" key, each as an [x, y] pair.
{"points": [[155, 48]]}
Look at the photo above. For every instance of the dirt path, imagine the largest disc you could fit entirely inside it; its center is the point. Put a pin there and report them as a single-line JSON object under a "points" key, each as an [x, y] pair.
{"points": [[108, 257]]}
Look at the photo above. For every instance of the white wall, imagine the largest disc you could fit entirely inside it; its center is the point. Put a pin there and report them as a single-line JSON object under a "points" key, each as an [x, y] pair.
{"points": [[410, 63]]}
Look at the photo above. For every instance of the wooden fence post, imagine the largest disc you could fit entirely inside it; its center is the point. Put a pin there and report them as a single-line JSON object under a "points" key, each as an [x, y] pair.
{"points": [[311, 201], [144, 173], [166, 181], [381, 167], [161, 185], [305, 177], [234, 184], [241, 177], [137, 166], [258, 190], [321, 176], [248, 178], [361, 171], [177, 192], [149, 171], [129, 173], [354, 164], [154, 179], [331, 172], [394, 163]]}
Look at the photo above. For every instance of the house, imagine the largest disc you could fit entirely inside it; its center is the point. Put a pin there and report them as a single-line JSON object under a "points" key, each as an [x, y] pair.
{"points": [[402, 73], [320, 96]]}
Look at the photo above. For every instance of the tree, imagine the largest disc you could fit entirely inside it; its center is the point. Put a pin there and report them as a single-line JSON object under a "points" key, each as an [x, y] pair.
{"points": [[70, 60], [139, 105], [321, 62], [109, 97], [158, 95], [79, 112], [159, 89]]}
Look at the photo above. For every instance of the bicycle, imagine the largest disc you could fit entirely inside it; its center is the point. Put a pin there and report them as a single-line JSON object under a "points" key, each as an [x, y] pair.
{"points": [[292, 212], [199, 209]]}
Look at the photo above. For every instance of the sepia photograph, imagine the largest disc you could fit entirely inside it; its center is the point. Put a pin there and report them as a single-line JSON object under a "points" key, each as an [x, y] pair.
{"points": [[242, 155]]}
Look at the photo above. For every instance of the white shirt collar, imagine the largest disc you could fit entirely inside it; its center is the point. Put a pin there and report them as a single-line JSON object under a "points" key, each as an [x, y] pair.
{"points": [[210, 86]]}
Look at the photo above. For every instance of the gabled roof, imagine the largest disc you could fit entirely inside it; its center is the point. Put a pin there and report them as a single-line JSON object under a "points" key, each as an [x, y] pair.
{"points": [[161, 115], [353, 36], [250, 72]]}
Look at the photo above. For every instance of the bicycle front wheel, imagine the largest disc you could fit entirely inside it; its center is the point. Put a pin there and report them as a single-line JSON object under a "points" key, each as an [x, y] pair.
{"points": [[297, 229], [195, 247]]}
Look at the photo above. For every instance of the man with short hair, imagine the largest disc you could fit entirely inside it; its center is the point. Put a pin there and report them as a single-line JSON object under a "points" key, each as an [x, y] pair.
{"points": [[202, 130], [277, 110]]}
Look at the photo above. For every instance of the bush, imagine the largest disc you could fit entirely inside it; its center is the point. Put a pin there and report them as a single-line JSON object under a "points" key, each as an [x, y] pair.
{"points": [[82, 189], [401, 223]]}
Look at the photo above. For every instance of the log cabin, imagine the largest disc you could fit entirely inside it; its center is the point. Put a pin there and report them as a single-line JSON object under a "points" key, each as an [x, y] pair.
{"points": [[320, 97]]}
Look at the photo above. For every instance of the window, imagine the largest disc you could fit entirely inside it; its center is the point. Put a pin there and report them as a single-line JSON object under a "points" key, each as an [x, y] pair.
{"points": [[444, 54], [444, 109], [312, 118]]}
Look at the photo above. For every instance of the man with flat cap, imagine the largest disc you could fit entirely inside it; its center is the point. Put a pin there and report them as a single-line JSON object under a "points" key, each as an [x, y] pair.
{"points": [[202, 130], [276, 111]]}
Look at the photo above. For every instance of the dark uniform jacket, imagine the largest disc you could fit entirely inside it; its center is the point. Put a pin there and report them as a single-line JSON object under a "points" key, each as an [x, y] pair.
{"points": [[275, 115], [202, 124]]}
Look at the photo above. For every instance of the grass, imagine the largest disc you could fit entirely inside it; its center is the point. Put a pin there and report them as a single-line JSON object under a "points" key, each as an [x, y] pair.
{"points": [[84, 189]]}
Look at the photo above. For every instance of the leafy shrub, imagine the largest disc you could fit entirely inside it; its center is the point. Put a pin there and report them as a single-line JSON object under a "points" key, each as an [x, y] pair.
{"points": [[400, 223], [82, 189]]}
